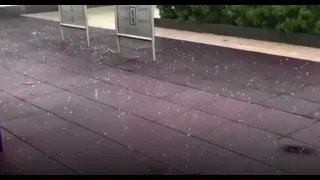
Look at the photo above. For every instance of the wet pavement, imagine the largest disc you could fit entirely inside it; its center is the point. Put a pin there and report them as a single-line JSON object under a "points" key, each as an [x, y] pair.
{"points": [[69, 109]]}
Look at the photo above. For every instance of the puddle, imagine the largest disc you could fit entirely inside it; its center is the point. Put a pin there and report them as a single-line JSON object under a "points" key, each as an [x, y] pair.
{"points": [[299, 150]]}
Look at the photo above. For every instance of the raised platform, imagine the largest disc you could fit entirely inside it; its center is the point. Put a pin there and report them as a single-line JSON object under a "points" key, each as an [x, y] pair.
{"points": [[17, 10], [271, 35], [10, 10]]}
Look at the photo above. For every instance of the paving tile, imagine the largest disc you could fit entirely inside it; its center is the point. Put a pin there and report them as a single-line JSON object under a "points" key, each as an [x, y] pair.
{"points": [[310, 135], [44, 72], [180, 78], [276, 121], [309, 93], [73, 145], [73, 81], [19, 158], [85, 68], [293, 105], [194, 122], [34, 123], [115, 75], [312, 78], [315, 115], [33, 90], [264, 147], [86, 111], [248, 94], [16, 109], [296, 163], [243, 77], [240, 138], [20, 64], [14, 80], [76, 63], [158, 109], [114, 96], [6, 98], [216, 87], [139, 83], [193, 99], [4, 71], [234, 91], [145, 69], [13, 48], [230, 108], [117, 125], [277, 86], [180, 151], [64, 61], [207, 159], [230, 76], [55, 99], [45, 56]]}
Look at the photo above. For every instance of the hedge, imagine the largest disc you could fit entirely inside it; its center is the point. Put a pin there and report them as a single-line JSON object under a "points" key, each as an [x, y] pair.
{"points": [[286, 18]]}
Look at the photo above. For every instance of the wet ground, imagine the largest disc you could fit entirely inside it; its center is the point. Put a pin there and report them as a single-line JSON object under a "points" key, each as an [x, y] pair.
{"points": [[197, 109]]}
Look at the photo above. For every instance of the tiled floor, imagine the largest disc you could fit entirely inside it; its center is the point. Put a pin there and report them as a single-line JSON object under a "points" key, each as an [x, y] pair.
{"points": [[64, 113]]}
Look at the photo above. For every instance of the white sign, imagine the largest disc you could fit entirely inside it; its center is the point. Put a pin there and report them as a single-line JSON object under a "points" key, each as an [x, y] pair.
{"points": [[136, 22], [74, 16]]}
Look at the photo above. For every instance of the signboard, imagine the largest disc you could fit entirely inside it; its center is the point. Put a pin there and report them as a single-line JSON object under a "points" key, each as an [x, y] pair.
{"points": [[136, 22], [74, 16]]}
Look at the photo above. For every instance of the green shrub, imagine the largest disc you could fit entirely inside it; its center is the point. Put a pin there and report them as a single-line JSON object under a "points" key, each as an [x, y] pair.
{"points": [[286, 18], [167, 12]]}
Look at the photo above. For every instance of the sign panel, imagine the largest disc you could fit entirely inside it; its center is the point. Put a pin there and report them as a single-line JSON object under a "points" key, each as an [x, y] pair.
{"points": [[135, 21], [74, 16]]}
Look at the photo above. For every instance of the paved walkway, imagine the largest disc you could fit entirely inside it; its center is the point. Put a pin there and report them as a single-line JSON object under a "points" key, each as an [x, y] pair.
{"points": [[68, 109]]}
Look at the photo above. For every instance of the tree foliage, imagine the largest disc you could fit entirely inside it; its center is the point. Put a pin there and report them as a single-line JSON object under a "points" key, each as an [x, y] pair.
{"points": [[286, 18]]}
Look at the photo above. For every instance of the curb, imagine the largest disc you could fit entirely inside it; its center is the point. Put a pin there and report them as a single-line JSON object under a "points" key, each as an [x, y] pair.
{"points": [[301, 39]]}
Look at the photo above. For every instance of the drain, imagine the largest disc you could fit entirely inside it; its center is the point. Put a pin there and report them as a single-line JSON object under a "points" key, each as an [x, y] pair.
{"points": [[300, 150]]}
